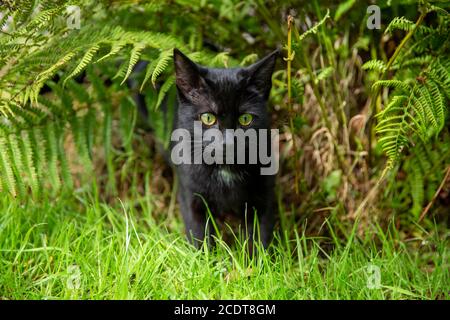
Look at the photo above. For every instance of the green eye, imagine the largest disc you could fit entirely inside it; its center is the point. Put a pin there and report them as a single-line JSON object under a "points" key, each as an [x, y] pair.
{"points": [[245, 119], [208, 118]]}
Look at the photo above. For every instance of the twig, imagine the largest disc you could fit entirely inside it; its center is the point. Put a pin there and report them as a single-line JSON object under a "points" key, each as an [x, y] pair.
{"points": [[371, 193], [428, 207], [288, 59]]}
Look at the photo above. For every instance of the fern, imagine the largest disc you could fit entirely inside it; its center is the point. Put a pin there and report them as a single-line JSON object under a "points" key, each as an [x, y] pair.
{"points": [[52, 155], [115, 49], [399, 23], [164, 89], [28, 162], [421, 114], [134, 58], [315, 28], [37, 50], [424, 171], [161, 65], [128, 114], [418, 107], [16, 163], [397, 84], [8, 182], [325, 73], [87, 58], [376, 65], [412, 129], [416, 181], [32, 142]]}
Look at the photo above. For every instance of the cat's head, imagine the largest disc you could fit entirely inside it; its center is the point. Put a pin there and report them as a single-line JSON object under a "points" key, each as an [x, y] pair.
{"points": [[223, 98]]}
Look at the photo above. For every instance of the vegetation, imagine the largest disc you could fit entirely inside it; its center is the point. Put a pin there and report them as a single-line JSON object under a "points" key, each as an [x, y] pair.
{"points": [[365, 148], [92, 251]]}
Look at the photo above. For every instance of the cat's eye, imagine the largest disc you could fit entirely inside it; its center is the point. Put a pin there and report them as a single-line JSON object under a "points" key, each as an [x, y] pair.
{"points": [[208, 118], [245, 119]]}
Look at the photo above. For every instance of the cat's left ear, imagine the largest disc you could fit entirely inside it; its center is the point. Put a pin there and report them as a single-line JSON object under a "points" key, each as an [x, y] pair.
{"points": [[260, 73], [188, 75]]}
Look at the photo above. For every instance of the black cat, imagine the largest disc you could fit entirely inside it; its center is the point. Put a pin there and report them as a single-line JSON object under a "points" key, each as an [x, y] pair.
{"points": [[224, 99]]}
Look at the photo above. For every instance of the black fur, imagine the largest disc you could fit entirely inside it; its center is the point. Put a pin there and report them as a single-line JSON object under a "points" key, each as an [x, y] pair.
{"points": [[227, 93]]}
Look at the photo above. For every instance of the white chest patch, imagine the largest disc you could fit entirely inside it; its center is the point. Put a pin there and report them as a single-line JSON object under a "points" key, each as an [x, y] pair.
{"points": [[228, 177]]}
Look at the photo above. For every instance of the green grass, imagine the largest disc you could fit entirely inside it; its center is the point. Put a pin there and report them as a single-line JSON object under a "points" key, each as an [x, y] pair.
{"points": [[88, 250]]}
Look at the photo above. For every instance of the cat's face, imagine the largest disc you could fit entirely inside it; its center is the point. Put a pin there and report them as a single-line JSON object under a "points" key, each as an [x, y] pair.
{"points": [[223, 98], [229, 106]]}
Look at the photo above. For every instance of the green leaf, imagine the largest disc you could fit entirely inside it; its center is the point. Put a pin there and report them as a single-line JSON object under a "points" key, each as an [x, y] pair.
{"points": [[343, 8]]}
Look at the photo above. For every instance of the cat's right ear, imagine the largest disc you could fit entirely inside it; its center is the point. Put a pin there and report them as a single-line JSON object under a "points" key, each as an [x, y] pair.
{"points": [[187, 74]]}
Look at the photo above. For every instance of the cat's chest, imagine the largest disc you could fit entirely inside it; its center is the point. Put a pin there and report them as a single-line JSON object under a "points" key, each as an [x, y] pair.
{"points": [[225, 190], [229, 185], [227, 178], [229, 198]]}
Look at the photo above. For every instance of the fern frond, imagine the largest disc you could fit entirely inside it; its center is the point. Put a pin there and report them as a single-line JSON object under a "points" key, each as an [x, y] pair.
{"points": [[87, 58], [324, 73], [42, 19], [115, 49], [416, 61], [438, 104], [80, 134], [121, 71], [315, 28], [134, 58], [396, 104], [52, 155], [7, 180], [163, 90], [251, 58], [27, 152], [128, 115], [421, 114], [47, 74], [426, 101], [376, 65], [392, 84], [221, 59], [416, 181], [161, 65], [38, 147], [399, 23], [148, 73], [17, 163], [440, 74]]}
